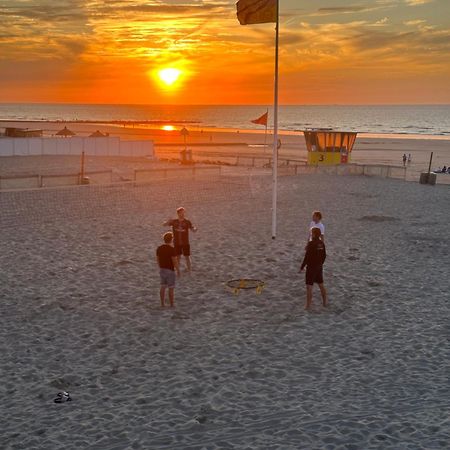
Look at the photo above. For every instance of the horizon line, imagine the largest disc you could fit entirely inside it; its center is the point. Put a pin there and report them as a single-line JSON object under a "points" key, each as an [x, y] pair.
{"points": [[224, 104]]}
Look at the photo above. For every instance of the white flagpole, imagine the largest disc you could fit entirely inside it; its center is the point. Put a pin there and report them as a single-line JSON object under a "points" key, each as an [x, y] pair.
{"points": [[275, 133], [265, 131]]}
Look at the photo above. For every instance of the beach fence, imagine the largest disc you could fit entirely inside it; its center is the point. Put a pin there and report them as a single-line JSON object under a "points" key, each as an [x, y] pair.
{"points": [[105, 177], [193, 172], [348, 169], [265, 161], [75, 145], [442, 178], [10, 182], [292, 167], [369, 170]]}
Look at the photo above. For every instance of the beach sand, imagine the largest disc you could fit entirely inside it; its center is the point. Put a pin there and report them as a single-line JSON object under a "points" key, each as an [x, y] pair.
{"points": [[80, 312], [225, 145]]}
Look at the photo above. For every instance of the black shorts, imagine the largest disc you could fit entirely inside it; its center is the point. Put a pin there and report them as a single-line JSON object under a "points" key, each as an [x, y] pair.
{"points": [[183, 250], [314, 275]]}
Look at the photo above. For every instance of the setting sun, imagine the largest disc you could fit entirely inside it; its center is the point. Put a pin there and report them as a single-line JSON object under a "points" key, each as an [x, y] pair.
{"points": [[169, 76]]}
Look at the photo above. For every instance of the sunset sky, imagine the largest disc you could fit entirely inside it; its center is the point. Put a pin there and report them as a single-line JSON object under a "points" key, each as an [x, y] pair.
{"points": [[331, 52]]}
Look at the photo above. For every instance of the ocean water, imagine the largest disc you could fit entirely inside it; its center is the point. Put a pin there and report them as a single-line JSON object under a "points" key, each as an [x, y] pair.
{"points": [[389, 119]]}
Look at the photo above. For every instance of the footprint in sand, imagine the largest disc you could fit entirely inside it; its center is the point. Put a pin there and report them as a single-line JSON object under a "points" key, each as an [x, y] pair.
{"points": [[378, 218], [122, 262]]}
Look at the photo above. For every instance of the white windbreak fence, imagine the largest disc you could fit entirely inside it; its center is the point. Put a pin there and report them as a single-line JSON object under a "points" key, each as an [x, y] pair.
{"points": [[102, 146]]}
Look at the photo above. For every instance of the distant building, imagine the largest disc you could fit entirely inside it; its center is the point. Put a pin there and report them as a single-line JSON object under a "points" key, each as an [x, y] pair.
{"points": [[22, 132]]}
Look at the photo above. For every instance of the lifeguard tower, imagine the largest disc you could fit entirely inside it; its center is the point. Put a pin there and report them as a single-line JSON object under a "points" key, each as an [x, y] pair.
{"points": [[328, 147]]}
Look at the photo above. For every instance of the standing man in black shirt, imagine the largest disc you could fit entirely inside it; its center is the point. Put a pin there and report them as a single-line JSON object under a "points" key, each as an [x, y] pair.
{"points": [[313, 260], [168, 263], [180, 229]]}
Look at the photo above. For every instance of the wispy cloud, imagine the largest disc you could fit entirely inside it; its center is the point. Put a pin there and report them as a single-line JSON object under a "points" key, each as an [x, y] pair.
{"points": [[364, 44], [357, 9], [382, 22], [417, 2], [343, 9], [411, 23]]}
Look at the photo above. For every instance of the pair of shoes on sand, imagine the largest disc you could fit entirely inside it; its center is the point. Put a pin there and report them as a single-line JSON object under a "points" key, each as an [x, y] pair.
{"points": [[62, 397]]}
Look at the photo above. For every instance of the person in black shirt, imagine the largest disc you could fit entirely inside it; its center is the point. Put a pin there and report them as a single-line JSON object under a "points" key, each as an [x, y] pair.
{"points": [[168, 263], [180, 230], [313, 260]]}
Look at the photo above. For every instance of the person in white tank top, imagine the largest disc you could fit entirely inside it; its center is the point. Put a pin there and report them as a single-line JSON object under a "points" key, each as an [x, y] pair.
{"points": [[316, 222]]}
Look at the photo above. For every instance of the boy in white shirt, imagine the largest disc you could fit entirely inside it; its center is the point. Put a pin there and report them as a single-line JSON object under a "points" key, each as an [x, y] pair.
{"points": [[317, 223]]}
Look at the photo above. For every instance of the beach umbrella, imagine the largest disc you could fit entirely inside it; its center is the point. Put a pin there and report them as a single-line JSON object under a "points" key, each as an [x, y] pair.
{"points": [[65, 132], [97, 134]]}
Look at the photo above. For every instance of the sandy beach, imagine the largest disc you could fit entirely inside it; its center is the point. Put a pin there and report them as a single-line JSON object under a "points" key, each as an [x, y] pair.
{"points": [[80, 312], [254, 117], [225, 145]]}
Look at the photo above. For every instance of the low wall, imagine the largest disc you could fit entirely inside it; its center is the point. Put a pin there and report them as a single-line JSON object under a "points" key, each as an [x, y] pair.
{"points": [[376, 171], [357, 169], [349, 169], [442, 178], [396, 172]]}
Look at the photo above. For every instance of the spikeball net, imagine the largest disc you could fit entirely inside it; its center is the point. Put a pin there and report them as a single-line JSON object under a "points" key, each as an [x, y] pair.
{"points": [[238, 284]]}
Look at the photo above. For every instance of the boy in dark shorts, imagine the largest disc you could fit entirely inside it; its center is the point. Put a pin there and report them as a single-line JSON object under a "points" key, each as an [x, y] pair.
{"points": [[168, 263], [313, 260], [180, 230]]}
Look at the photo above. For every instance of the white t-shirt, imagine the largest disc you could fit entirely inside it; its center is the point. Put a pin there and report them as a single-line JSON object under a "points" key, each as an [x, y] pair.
{"points": [[316, 225]]}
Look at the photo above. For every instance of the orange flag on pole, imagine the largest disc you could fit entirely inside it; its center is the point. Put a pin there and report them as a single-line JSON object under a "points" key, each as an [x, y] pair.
{"points": [[256, 11], [266, 11], [261, 120]]}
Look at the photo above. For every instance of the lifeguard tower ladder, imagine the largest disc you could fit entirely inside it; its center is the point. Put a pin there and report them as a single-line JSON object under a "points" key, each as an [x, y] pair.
{"points": [[327, 147]]}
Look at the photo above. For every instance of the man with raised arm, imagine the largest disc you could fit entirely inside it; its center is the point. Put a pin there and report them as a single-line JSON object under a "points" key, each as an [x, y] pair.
{"points": [[180, 230]]}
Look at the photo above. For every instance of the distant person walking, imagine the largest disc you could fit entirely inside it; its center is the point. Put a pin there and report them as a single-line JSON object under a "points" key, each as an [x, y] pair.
{"points": [[168, 263], [409, 158], [180, 229], [404, 159], [313, 261]]}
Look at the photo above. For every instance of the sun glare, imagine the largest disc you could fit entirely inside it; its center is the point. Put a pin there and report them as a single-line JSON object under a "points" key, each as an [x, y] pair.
{"points": [[169, 76], [168, 127]]}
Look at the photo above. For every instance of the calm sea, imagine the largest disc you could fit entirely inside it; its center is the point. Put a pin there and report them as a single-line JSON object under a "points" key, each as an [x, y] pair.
{"points": [[399, 119]]}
